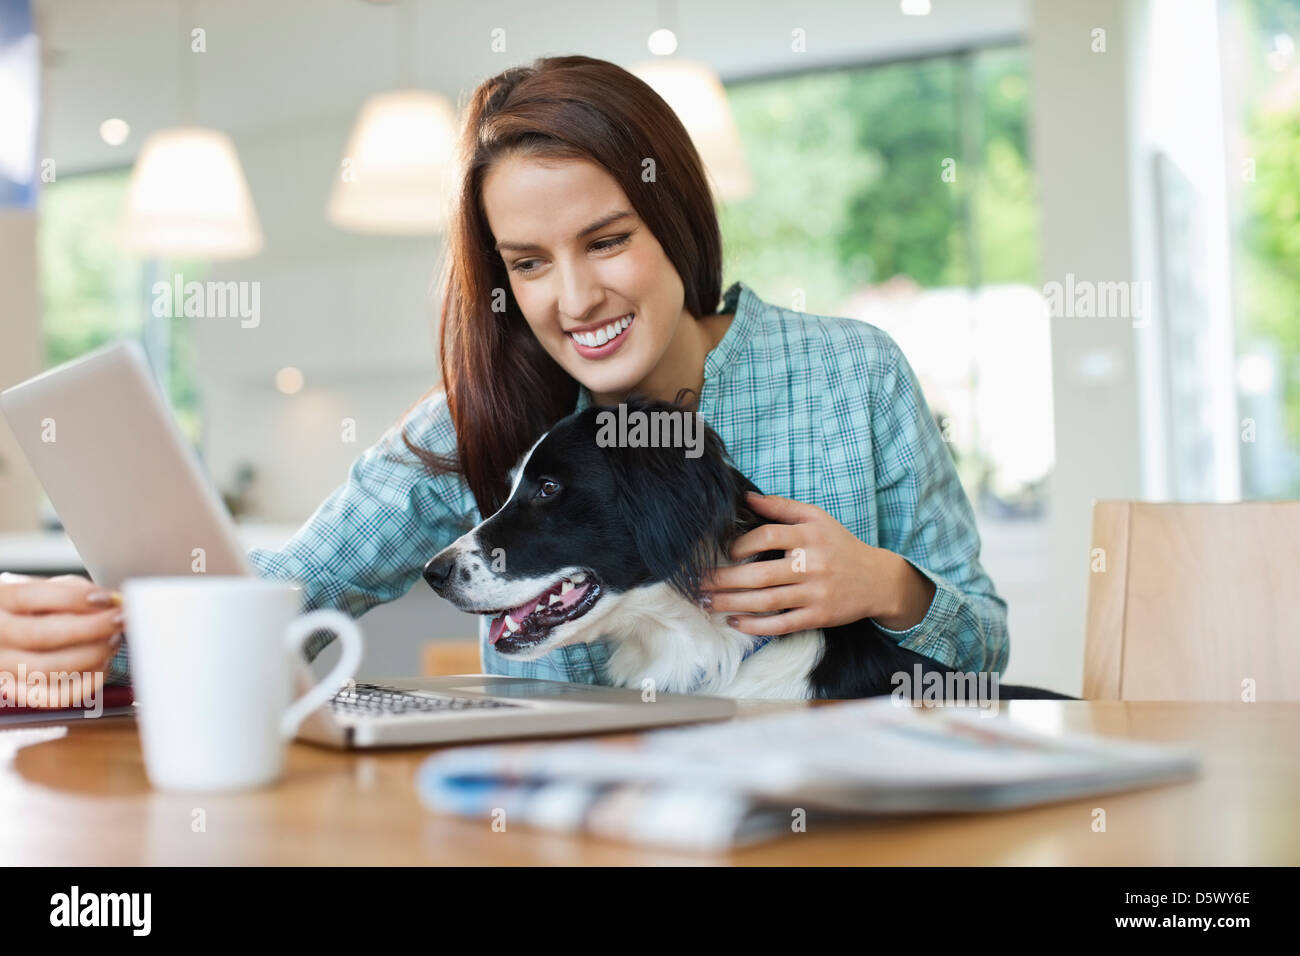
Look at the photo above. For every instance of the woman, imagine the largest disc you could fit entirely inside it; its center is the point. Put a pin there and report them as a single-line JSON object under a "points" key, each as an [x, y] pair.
{"points": [[582, 202]]}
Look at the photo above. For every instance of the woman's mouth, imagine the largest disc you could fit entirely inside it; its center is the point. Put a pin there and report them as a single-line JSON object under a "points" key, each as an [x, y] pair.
{"points": [[603, 341]]}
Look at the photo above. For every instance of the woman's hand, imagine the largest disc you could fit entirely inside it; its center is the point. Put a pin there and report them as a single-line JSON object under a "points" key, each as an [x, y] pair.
{"points": [[827, 577], [51, 625]]}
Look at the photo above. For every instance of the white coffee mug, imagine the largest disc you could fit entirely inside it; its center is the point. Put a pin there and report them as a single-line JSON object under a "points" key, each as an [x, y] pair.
{"points": [[213, 663]]}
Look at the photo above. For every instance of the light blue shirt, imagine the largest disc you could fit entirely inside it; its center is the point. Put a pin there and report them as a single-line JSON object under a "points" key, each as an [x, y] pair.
{"points": [[820, 409]]}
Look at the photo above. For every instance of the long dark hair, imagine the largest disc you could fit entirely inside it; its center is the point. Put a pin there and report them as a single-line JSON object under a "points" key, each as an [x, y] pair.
{"points": [[503, 388]]}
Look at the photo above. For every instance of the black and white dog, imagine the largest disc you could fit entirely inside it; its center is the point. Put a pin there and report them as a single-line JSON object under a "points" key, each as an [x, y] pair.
{"points": [[601, 540]]}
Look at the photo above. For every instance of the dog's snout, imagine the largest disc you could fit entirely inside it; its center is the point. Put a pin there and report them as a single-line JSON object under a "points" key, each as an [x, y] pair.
{"points": [[438, 571]]}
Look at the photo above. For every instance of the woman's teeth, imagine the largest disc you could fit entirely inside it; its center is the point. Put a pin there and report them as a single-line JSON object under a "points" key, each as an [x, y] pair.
{"points": [[601, 336]]}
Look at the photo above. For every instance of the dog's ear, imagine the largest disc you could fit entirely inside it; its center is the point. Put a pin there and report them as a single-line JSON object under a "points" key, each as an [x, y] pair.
{"points": [[682, 512]]}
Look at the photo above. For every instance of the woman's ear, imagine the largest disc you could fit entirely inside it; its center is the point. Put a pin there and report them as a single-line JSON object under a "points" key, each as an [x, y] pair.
{"points": [[682, 512]]}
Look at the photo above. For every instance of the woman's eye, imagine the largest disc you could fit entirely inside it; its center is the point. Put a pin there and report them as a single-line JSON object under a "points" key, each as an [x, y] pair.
{"points": [[611, 243], [601, 246], [548, 488]]}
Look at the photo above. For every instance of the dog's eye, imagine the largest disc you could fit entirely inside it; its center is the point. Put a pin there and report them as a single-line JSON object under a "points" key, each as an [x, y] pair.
{"points": [[547, 488]]}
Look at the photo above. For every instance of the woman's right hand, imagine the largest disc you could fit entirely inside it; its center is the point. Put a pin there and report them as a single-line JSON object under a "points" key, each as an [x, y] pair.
{"points": [[51, 625]]}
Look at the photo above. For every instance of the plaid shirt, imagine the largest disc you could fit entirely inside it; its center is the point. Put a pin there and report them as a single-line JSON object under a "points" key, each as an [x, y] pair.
{"points": [[819, 409]]}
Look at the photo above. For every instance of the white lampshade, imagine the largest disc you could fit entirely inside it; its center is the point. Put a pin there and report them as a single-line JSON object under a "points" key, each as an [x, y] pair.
{"points": [[397, 168], [188, 198], [697, 96]]}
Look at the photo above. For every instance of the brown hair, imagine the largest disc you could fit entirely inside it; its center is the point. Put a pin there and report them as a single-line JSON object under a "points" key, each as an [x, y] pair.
{"points": [[503, 388]]}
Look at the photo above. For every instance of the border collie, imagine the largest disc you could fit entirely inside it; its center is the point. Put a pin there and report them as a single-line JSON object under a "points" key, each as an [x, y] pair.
{"points": [[610, 534]]}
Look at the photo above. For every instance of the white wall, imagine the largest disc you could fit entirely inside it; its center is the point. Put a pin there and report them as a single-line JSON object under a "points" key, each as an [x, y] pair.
{"points": [[1098, 118], [1080, 155], [20, 359], [356, 315], [1176, 110]]}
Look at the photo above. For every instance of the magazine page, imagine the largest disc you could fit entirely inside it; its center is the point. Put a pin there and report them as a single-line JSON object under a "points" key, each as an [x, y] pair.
{"points": [[739, 781]]}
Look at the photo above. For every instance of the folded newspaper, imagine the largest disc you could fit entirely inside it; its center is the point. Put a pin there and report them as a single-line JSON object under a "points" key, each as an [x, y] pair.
{"points": [[749, 780]]}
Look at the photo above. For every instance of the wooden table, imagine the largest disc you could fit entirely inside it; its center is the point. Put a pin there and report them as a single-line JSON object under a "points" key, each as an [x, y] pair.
{"points": [[79, 796]]}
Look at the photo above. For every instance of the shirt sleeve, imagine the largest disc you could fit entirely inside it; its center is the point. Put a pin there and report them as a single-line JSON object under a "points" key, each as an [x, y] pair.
{"points": [[368, 542], [925, 517]]}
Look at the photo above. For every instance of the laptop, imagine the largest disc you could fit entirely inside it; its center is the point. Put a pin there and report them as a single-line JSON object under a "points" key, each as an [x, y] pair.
{"points": [[134, 500]]}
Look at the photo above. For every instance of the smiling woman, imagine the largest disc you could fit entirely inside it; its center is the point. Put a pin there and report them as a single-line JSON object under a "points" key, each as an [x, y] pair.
{"points": [[584, 249], [587, 300]]}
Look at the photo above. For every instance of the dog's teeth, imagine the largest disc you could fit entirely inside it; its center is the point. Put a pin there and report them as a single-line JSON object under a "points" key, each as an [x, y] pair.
{"points": [[578, 578], [537, 607], [510, 624], [566, 587], [553, 599]]}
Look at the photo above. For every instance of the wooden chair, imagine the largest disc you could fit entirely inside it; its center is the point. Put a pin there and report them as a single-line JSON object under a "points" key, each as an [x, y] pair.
{"points": [[458, 656], [1194, 601]]}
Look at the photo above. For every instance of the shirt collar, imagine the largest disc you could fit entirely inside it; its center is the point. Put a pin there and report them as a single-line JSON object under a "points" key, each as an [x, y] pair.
{"points": [[748, 308], [739, 299]]}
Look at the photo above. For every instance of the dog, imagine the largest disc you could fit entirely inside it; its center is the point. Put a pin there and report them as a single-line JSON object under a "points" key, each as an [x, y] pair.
{"points": [[607, 539]]}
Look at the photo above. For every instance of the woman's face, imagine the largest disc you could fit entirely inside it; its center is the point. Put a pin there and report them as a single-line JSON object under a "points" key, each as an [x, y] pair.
{"points": [[566, 278]]}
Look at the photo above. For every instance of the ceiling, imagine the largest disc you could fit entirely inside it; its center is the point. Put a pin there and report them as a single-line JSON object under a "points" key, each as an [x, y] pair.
{"points": [[276, 64]]}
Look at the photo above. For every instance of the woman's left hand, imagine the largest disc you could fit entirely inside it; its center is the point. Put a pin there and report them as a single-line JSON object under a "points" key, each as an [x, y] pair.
{"points": [[827, 577]]}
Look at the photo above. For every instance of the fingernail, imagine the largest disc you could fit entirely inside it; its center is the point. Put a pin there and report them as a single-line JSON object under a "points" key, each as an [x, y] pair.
{"points": [[119, 617], [708, 600], [100, 597], [733, 622], [115, 641]]}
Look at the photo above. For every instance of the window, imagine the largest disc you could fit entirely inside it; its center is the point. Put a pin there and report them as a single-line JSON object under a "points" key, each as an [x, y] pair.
{"points": [[93, 293], [1262, 96], [902, 194]]}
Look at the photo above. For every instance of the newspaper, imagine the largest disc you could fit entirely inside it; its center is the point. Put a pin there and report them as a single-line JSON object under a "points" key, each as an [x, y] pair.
{"points": [[746, 781]]}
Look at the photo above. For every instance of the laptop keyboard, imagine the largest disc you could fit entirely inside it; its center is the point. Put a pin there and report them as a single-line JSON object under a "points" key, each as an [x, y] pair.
{"points": [[360, 699]]}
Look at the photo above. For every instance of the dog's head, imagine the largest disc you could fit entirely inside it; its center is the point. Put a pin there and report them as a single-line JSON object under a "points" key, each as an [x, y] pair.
{"points": [[608, 501]]}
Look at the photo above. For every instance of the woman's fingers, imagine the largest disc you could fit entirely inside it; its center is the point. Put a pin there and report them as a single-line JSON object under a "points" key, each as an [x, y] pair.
{"points": [[54, 640], [33, 633], [44, 614], [92, 655], [760, 600], [20, 594]]}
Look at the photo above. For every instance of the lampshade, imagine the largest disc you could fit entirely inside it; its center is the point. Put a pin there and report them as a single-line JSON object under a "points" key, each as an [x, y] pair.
{"points": [[188, 198], [696, 95], [398, 165]]}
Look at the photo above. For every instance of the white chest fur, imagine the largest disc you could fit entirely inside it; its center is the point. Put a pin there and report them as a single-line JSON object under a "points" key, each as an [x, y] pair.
{"points": [[657, 636]]}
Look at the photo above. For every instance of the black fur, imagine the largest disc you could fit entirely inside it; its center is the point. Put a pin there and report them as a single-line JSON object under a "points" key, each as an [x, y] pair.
{"points": [[680, 511], [859, 661], [683, 510]]}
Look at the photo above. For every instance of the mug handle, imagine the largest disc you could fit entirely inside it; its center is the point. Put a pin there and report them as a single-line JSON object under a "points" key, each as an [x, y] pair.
{"points": [[298, 630]]}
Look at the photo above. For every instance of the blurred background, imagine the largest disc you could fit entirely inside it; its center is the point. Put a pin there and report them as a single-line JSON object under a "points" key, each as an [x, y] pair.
{"points": [[1079, 220]]}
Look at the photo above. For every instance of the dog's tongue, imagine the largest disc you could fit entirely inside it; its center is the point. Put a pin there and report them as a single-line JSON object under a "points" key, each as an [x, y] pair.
{"points": [[567, 600]]}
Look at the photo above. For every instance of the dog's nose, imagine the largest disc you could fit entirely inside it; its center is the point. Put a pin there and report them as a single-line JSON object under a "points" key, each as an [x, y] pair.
{"points": [[438, 571]]}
